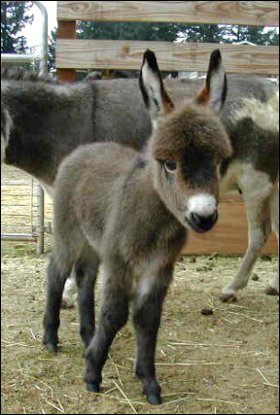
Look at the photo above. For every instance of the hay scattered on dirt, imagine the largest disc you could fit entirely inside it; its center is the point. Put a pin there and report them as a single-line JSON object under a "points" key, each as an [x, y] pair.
{"points": [[226, 362], [223, 362]]}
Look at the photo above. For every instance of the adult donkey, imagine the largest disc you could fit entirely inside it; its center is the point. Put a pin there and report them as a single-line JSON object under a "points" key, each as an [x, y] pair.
{"points": [[43, 121]]}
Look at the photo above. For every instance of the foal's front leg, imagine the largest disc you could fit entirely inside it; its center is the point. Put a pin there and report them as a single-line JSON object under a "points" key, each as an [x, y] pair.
{"points": [[146, 318], [113, 316]]}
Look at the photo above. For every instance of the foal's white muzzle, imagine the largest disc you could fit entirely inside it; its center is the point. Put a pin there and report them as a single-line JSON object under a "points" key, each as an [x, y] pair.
{"points": [[201, 214]]}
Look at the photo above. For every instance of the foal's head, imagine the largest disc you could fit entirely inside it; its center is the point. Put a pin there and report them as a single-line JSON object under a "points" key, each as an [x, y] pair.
{"points": [[187, 145]]}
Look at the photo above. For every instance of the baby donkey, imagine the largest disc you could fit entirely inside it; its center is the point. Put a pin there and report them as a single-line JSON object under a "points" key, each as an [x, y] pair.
{"points": [[131, 211]]}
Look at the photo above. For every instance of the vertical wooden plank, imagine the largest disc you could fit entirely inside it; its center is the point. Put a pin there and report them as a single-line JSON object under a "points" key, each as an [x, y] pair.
{"points": [[66, 75], [66, 30]]}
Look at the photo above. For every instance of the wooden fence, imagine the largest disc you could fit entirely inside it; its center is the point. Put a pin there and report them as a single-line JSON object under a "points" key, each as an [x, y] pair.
{"points": [[230, 234]]}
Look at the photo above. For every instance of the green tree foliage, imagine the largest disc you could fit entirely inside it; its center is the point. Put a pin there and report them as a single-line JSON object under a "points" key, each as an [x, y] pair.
{"points": [[173, 31], [205, 33], [129, 31], [51, 49], [256, 35], [229, 34], [14, 17]]}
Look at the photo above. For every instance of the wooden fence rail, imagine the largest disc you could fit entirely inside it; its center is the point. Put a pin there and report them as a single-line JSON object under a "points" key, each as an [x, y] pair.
{"points": [[252, 13], [75, 54], [117, 54]]}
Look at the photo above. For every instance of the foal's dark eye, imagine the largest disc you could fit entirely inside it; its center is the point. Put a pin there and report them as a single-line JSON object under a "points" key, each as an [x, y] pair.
{"points": [[170, 166]]}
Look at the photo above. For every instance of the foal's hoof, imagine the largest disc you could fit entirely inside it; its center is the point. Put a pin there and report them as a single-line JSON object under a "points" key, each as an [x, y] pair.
{"points": [[93, 387], [52, 348], [271, 291], [154, 399], [227, 297], [153, 392]]}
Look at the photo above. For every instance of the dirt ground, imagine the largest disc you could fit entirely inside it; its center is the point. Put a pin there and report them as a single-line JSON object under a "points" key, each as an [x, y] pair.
{"points": [[225, 362]]}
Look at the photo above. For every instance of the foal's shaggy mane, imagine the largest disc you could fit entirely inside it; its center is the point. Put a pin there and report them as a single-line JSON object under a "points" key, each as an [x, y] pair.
{"points": [[19, 74]]}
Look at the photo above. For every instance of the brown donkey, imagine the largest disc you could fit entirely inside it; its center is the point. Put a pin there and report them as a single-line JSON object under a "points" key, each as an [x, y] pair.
{"points": [[131, 211]]}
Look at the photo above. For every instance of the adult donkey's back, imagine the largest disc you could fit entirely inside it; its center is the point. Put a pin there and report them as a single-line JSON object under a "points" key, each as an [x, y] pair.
{"points": [[42, 121]]}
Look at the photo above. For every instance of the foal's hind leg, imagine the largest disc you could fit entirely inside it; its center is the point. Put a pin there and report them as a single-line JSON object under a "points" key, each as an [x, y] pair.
{"points": [[86, 273], [273, 287], [259, 230], [56, 281]]}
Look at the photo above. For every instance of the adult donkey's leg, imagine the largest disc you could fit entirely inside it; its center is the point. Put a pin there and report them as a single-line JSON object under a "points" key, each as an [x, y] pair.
{"points": [[273, 287], [259, 229]]}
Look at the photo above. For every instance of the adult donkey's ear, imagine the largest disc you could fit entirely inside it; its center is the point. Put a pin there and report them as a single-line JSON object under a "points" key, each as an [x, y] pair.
{"points": [[214, 92], [154, 94]]}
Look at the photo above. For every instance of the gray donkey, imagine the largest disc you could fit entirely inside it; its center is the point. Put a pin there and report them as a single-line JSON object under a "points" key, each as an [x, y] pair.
{"points": [[43, 121], [253, 169], [131, 211]]}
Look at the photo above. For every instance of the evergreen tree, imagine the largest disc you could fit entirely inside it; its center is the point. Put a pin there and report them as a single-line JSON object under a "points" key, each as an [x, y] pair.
{"points": [[174, 31], [256, 35], [14, 16], [205, 33], [129, 31], [51, 49]]}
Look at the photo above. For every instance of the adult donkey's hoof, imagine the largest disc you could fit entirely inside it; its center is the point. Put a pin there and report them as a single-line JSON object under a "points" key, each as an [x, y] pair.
{"points": [[271, 290], [69, 300], [226, 297], [70, 295], [67, 303]]}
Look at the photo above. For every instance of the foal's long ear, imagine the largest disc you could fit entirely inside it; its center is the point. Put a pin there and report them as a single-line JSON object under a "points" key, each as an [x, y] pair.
{"points": [[214, 92], [154, 94]]}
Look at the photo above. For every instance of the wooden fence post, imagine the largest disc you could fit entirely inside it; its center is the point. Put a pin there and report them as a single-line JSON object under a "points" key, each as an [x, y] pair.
{"points": [[66, 30]]}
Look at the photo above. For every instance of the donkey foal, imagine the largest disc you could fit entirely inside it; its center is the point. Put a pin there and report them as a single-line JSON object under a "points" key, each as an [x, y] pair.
{"points": [[132, 211]]}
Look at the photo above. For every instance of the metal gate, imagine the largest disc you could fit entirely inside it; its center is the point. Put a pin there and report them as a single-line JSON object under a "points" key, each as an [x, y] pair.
{"points": [[36, 233]]}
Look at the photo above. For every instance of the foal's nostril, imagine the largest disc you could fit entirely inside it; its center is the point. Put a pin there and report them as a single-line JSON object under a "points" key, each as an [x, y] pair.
{"points": [[214, 217], [195, 218], [204, 223]]}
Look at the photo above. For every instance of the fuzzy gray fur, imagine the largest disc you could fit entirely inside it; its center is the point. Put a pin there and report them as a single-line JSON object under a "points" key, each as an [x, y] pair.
{"points": [[123, 208]]}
